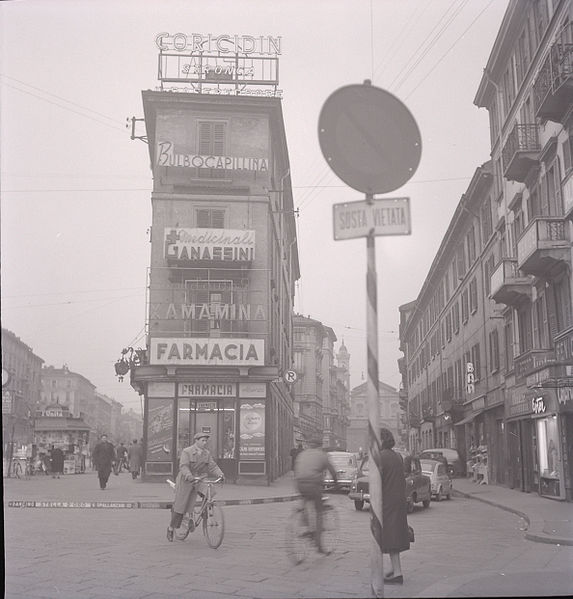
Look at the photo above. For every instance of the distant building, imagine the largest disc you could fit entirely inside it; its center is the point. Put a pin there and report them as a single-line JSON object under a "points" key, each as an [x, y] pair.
{"points": [[20, 395], [389, 407], [322, 387], [67, 388]]}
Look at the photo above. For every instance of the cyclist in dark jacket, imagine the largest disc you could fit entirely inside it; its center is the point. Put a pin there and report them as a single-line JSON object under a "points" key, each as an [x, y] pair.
{"points": [[309, 470]]}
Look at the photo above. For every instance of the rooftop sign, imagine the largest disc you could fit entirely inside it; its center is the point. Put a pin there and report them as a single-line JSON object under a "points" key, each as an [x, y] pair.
{"points": [[225, 64]]}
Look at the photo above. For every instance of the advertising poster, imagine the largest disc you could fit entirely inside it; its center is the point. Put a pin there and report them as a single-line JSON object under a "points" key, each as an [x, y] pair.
{"points": [[252, 430], [159, 429]]}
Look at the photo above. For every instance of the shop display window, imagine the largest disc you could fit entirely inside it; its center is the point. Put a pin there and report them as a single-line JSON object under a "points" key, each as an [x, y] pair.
{"points": [[549, 458]]}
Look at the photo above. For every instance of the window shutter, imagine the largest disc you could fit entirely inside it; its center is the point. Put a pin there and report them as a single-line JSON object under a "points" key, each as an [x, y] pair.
{"points": [[219, 139], [218, 219], [203, 218], [205, 138]]}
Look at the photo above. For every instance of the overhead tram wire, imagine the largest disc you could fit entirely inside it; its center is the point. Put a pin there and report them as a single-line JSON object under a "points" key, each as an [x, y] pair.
{"points": [[449, 49], [424, 51], [87, 116], [61, 98], [421, 45], [400, 37]]}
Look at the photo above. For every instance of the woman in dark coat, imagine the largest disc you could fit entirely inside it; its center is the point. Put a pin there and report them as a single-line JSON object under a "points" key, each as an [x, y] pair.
{"points": [[395, 536], [57, 461]]}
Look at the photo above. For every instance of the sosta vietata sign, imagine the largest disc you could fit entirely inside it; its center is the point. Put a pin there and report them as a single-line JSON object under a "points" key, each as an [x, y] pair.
{"points": [[207, 352]]}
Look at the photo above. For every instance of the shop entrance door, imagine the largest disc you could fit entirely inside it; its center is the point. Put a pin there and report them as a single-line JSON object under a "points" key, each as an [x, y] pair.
{"points": [[206, 422]]}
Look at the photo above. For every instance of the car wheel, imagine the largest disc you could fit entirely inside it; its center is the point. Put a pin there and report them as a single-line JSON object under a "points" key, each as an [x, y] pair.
{"points": [[410, 504], [426, 503], [439, 495], [358, 504]]}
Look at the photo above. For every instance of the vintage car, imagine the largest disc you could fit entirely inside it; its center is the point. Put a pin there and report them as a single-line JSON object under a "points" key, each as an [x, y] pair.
{"points": [[417, 484], [455, 465], [440, 481], [346, 468]]}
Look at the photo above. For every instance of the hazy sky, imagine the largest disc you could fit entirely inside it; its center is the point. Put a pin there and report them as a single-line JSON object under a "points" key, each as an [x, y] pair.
{"points": [[75, 204]]}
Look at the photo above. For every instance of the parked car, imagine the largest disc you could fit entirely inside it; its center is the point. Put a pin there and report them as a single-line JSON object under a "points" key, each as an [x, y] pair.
{"points": [[440, 481], [346, 468], [455, 465], [417, 484]]}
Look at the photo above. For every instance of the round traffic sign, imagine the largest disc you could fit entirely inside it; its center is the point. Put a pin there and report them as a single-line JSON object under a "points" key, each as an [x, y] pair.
{"points": [[369, 138], [290, 376], [5, 377]]}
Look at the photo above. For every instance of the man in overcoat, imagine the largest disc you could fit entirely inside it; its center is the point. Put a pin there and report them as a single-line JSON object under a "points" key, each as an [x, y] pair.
{"points": [[135, 457], [103, 458], [195, 461]]}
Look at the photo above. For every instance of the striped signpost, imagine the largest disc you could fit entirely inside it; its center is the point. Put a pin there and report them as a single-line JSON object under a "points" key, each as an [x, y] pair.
{"points": [[372, 142]]}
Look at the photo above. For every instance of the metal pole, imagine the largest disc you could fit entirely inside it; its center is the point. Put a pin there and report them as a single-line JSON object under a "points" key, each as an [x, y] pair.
{"points": [[375, 474]]}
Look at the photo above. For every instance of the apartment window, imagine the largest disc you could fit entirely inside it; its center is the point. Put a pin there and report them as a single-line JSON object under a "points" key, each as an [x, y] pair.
{"points": [[210, 218], [488, 267], [567, 147], [524, 327], [461, 260], [563, 304], [465, 306], [454, 274], [449, 326], [508, 339], [552, 204], [471, 246], [212, 141], [494, 351], [486, 221], [473, 296], [447, 285], [456, 317], [542, 322]]}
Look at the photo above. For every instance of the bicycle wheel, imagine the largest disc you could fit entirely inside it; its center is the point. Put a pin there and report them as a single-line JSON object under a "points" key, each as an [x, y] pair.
{"points": [[329, 528], [213, 525], [296, 536]]}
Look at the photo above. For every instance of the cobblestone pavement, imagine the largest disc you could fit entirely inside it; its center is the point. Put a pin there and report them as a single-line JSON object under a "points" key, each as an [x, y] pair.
{"points": [[463, 548]]}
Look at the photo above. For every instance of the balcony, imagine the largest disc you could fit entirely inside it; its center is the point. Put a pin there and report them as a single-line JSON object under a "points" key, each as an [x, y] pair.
{"points": [[521, 152], [543, 247], [508, 285], [533, 360], [554, 84]]}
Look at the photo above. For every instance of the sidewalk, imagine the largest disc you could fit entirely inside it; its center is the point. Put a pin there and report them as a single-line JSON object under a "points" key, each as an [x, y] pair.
{"points": [[548, 521], [122, 489]]}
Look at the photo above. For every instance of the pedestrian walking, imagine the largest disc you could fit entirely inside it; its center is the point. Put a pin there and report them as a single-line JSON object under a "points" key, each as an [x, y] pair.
{"points": [[135, 457], [103, 459], [395, 537], [195, 461], [121, 458], [56, 462], [294, 453]]}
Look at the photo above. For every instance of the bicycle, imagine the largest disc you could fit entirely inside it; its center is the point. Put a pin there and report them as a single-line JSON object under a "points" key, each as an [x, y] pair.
{"points": [[301, 526], [207, 513]]}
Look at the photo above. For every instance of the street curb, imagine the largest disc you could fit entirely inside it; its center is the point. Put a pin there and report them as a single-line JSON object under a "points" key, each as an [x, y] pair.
{"points": [[162, 505], [530, 536]]}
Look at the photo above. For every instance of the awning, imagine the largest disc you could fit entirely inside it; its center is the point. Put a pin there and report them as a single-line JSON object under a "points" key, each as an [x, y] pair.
{"points": [[468, 419]]}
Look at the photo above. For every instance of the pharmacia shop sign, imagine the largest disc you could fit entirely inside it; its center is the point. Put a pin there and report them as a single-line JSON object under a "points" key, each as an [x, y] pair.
{"points": [[227, 245], [204, 351], [167, 156]]}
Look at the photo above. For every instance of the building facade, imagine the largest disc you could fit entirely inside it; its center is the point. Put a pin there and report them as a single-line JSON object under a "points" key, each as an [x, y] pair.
{"points": [[527, 89], [389, 406], [488, 355], [21, 393], [224, 262]]}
